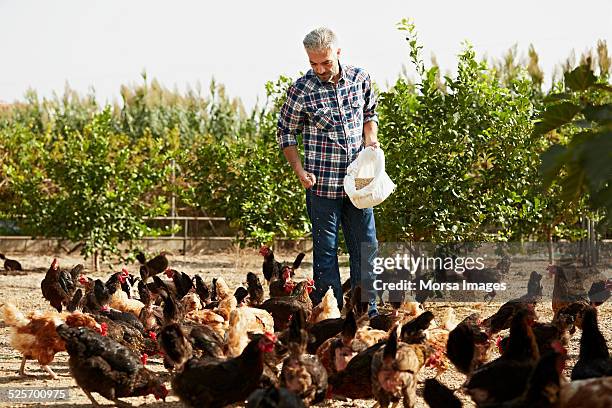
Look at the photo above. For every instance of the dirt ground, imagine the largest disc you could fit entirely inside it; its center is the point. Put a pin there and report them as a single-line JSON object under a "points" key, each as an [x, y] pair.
{"points": [[24, 291]]}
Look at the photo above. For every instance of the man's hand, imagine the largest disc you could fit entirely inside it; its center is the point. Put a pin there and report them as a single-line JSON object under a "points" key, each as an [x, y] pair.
{"points": [[307, 179]]}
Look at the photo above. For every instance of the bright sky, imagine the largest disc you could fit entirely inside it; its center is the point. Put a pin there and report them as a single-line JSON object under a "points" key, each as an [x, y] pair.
{"points": [[106, 43]]}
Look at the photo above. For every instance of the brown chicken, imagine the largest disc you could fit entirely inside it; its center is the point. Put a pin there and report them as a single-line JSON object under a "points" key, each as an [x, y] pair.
{"points": [[100, 364], [302, 373], [59, 286], [336, 352], [282, 308], [547, 334], [139, 341], [34, 335], [203, 383], [394, 371], [281, 283], [355, 381], [591, 393]]}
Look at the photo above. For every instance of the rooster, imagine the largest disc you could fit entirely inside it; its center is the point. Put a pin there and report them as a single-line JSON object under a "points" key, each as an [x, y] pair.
{"points": [[215, 384], [59, 286], [11, 264], [100, 364], [34, 336]]}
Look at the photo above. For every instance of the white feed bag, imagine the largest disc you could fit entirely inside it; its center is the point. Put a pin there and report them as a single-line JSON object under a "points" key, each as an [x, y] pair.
{"points": [[366, 182]]}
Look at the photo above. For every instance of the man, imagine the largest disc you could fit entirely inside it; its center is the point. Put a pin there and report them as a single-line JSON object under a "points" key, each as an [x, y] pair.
{"points": [[333, 106]]}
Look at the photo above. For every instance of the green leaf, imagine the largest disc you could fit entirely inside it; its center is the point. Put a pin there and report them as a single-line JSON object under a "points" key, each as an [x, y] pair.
{"points": [[580, 79], [553, 160], [556, 116], [599, 113]]}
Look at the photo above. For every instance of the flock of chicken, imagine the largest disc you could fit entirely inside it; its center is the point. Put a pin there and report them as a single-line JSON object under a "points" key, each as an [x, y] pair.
{"points": [[221, 348]]}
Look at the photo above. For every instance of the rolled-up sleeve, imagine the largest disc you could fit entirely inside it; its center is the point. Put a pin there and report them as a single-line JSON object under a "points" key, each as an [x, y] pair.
{"points": [[369, 108], [291, 119]]}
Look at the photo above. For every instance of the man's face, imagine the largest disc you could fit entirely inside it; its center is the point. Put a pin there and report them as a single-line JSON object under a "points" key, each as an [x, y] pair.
{"points": [[324, 63]]}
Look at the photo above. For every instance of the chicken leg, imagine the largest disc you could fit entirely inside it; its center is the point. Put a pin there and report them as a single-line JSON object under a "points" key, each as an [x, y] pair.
{"points": [[49, 371], [91, 398], [22, 372], [122, 404]]}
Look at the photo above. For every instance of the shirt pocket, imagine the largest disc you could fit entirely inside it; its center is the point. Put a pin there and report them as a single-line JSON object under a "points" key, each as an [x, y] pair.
{"points": [[322, 118]]}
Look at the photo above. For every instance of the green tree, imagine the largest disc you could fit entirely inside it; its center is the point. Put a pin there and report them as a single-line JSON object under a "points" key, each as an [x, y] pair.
{"points": [[95, 187], [463, 160]]}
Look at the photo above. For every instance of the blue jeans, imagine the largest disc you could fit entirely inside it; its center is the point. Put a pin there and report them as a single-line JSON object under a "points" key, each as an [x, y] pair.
{"points": [[326, 216]]}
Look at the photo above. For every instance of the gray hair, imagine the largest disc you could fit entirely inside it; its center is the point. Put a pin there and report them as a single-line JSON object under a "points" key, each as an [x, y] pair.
{"points": [[320, 38]]}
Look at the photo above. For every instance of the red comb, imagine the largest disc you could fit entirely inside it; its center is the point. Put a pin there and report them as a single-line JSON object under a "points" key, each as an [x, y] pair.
{"points": [[143, 358], [152, 335], [103, 329]]}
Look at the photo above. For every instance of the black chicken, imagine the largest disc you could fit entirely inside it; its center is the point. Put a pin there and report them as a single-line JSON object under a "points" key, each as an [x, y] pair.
{"points": [[271, 266], [437, 395], [213, 384], [467, 345], [153, 266], [202, 290], [58, 286], [11, 264], [594, 358], [256, 292], [273, 397], [100, 364]]}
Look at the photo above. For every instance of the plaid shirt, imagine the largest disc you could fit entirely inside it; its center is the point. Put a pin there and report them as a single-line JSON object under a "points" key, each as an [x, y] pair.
{"points": [[330, 117]]}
